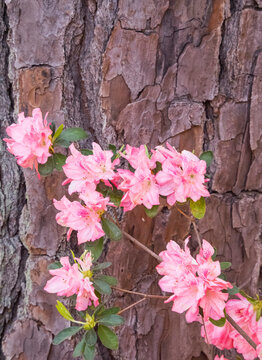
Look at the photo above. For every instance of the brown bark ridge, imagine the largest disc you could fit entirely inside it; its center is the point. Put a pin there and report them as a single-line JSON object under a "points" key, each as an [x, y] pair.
{"points": [[141, 71]]}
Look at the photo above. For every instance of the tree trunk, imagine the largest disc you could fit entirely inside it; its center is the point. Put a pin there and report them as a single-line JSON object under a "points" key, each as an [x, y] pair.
{"points": [[140, 71]]}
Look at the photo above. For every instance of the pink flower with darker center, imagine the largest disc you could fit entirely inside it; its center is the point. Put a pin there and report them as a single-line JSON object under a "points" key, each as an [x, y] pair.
{"points": [[29, 140], [182, 175], [71, 280], [194, 283], [85, 219], [217, 335], [139, 187], [81, 170]]}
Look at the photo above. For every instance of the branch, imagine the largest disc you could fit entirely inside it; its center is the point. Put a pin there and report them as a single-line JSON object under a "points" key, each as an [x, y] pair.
{"points": [[197, 233], [130, 306], [142, 246], [241, 331], [135, 241], [194, 225], [146, 296]]}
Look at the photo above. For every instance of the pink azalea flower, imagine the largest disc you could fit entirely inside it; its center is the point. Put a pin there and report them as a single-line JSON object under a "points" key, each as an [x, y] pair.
{"points": [[242, 311], [220, 357], [193, 282], [218, 336], [84, 219], [70, 280], [139, 188], [66, 280], [86, 295], [138, 158], [161, 154], [182, 175], [84, 170], [29, 140]]}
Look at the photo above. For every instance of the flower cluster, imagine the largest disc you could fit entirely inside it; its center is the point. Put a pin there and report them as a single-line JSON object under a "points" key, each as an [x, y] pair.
{"points": [[70, 280], [182, 177], [30, 140], [226, 337], [194, 283], [83, 174]]}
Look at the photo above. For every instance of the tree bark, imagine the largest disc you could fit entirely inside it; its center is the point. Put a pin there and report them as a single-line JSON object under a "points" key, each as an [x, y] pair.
{"points": [[140, 71]]}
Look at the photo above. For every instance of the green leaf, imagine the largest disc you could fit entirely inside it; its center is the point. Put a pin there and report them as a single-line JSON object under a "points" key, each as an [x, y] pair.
{"points": [[111, 280], [213, 257], [207, 156], [198, 208], [70, 135], [65, 334], [79, 349], [91, 337], [105, 312], [152, 212], [59, 161], [157, 168], [147, 152], [108, 337], [111, 229], [112, 148], [89, 352], [101, 266], [52, 127], [55, 265], [63, 311], [222, 276], [220, 323], [86, 152], [111, 320], [95, 247], [115, 195], [225, 265], [258, 314], [249, 298], [58, 132], [47, 168], [101, 286], [235, 290]]}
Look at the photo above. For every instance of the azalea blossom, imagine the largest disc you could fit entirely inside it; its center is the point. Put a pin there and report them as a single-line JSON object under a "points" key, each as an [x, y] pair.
{"points": [[182, 175], [220, 357], [85, 219], [139, 188], [82, 170], [242, 311], [138, 157], [217, 335], [69, 280], [194, 283], [30, 140]]}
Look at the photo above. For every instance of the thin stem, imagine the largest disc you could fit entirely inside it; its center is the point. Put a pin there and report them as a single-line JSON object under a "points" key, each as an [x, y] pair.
{"points": [[184, 214], [135, 241], [139, 244], [194, 224], [78, 322], [204, 324], [146, 296], [130, 306], [241, 331], [197, 233]]}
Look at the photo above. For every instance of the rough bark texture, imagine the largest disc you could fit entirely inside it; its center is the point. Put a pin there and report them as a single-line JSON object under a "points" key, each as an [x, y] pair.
{"points": [[140, 71]]}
